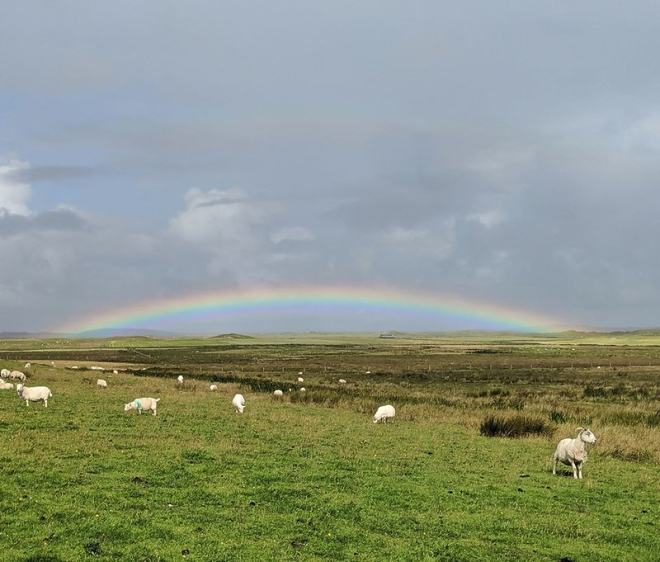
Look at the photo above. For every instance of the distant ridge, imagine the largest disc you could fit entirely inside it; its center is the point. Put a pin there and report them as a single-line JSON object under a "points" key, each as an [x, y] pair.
{"points": [[31, 335], [232, 336]]}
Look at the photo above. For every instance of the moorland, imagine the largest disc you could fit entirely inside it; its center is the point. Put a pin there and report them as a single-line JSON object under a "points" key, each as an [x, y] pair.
{"points": [[464, 473]]}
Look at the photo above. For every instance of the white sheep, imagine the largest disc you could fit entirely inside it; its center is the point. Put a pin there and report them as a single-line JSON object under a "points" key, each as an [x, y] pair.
{"points": [[5, 373], [573, 452], [239, 403], [384, 413], [27, 365], [101, 383], [300, 379], [342, 381], [17, 375], [34, 394], [115, 372], [140, 404], [180, 379], [5, 385], [303, 389], [213, 387], [278, 393], [96, 368]]}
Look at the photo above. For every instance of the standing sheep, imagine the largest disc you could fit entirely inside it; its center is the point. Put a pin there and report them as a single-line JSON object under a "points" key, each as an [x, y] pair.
{"points": [[572, 452], [213, 387], [140, 404], [101, 383], [180, 379], [278, 393], [239, 403], [384, 413], [34, 394], [5, 373], [300, 379]]}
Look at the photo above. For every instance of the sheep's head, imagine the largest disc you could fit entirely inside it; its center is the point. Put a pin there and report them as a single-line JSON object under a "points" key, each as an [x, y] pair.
{"points": [[587, 436], [19, 388], [130, 406]]}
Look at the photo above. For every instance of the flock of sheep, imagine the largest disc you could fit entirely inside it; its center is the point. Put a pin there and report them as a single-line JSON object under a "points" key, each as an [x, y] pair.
{"points": [[571, 452]]}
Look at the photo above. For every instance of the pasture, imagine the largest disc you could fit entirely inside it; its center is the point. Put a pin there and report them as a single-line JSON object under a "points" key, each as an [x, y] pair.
{"points": [[309, 476]]}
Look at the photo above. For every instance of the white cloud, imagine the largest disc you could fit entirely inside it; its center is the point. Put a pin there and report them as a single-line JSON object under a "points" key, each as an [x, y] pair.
{"points": [[218, 216], [14, 194], [489, 219], [293, 233]]}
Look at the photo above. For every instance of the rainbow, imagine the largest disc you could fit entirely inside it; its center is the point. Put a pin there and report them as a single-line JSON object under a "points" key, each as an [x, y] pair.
{"points": [[343, 299]]}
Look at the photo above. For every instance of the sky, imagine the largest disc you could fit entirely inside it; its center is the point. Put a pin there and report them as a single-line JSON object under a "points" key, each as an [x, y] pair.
{"points": [[501, 152]]}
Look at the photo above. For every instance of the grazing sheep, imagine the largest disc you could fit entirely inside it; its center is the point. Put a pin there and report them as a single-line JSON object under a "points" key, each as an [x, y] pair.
{"points": [[96, 368], [573, 452], [17, 375], [5, 385], [34, 394], [27, 365], [239, 403], [213, 387], [303, 389], [300, 379], [101, 383], [140, 404], [115, 372], [384, 413], [180, 379], [5, 373], [342, 381], [300, 373], [278, 393]]}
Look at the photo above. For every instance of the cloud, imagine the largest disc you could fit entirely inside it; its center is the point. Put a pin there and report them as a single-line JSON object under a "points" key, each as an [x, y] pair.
{"points": [[295, 233], [14, 194]]}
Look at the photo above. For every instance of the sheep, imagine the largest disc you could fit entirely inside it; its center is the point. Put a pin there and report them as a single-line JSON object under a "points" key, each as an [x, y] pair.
{"points": [[180, 379], [27, 365], [572, 452], [278, 393], [239, 403], [115, 372], [17, 375], [342, 381], [96, 368], [34, 394], [300, 379], [383, 413], [5, 373], [213, 387], [5, 385], [303, 389], [101, 383], [140, 404]]}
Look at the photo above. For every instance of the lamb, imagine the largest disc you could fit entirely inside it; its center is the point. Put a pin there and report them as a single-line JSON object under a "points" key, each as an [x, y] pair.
{"points": [[17, 375], [34, 394], [180, 379], [239, 403], [383, 413], [101, 383], [213, 387], [140, 404], [278, 393], [573, 452], [5, 385]]}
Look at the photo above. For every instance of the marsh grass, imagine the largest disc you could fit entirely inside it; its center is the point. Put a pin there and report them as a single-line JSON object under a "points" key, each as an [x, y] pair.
{"points": [[308, 476]]}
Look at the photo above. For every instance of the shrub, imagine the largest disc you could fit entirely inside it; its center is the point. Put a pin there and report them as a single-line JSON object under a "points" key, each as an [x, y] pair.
{"points": [[514, 426]]}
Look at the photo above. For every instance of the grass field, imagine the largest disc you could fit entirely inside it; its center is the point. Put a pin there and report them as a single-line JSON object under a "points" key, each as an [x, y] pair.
{"points": [[310, 477]]}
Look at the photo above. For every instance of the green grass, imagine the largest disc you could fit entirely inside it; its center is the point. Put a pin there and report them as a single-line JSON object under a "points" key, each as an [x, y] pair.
{"points": [[310, 477], [83, 480]]}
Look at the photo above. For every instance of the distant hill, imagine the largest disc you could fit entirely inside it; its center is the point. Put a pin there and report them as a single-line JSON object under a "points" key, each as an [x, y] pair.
{"points": [[31, 335], [232, 336]]}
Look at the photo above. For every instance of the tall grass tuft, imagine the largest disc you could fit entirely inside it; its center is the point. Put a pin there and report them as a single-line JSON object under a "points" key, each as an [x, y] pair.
{"points": [[514, 426]]}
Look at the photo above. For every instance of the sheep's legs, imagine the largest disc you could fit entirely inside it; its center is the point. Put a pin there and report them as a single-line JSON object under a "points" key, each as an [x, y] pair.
{"points": [[554, 467], [575, 472]]}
